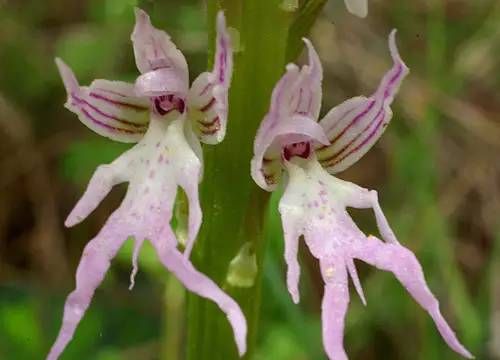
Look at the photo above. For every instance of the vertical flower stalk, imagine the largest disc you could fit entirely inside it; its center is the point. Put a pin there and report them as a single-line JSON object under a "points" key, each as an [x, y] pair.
{"points": [[234, 207]]}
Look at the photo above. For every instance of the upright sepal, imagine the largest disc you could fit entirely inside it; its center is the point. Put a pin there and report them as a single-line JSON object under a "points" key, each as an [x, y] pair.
{"points": [[163, 67], [354, 126], [294, 109], [299, 90], [110, 108], [208, 96]]}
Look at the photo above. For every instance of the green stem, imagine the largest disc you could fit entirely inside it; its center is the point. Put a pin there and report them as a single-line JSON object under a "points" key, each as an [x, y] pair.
{"points": [[234, 207]]}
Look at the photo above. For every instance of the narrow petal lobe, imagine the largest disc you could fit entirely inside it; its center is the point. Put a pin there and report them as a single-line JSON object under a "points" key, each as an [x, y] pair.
{"points": [[405, 266], [334, 309]]}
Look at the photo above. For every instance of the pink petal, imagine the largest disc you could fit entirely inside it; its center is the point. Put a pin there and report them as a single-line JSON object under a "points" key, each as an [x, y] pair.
{"points": [[334, 309], [200, 284], [110, 108], [295, 105], [163, 66], [405, 266], [208, 96], [354, 126], [93, 266], [153, 48], [299, 90]]}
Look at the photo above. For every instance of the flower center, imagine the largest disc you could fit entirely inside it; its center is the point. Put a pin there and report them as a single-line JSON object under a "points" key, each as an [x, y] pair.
{"points": [[166, 103], [301, 149]]}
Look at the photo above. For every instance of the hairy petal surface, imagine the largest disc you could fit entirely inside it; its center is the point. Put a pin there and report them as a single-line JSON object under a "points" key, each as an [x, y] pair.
{"points": [[354, 126], [357, 7], [110, 108], [208, 96], [163, 67]]}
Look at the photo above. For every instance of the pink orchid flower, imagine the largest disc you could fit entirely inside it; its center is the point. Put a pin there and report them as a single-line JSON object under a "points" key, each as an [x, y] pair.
{"points": [[167, 120], [357, 7], [314, 202]]}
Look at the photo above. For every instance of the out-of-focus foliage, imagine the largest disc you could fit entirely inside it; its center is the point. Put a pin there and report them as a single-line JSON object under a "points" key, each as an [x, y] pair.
{"points": [[436, 169]]}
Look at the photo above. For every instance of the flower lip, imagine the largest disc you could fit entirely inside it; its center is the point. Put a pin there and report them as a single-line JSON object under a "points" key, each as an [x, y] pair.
{"points": [[301, 149]]}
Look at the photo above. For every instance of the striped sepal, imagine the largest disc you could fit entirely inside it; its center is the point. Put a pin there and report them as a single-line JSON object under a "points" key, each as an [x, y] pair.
{"points": [[355, 125], [110, 108]]}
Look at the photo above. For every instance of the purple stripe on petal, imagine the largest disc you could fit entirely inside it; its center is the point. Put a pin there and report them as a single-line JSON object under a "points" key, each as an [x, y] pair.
{"points": [[107, 126], [119, 103], [356, 137], [208, 105], [365, 141], [354, 121], [82, 102]]}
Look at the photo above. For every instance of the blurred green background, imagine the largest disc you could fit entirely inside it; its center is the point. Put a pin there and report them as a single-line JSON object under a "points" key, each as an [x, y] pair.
{"points": [[436, 170]]}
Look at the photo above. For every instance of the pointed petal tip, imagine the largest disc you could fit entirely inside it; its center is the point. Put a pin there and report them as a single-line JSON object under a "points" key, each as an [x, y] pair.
{"points": [[221, 21], [142, 21], [67, 75], [393, 47], [70, 221], [140, 15], [392, 43]]}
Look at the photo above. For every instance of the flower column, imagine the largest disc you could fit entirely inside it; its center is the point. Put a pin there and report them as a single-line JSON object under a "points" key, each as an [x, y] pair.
{"points": [[233, 206]]}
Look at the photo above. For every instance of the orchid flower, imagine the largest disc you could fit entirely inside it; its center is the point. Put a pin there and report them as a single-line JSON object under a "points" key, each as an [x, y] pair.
{"points": [[357, 7], [167, 120], [314, 202]]}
